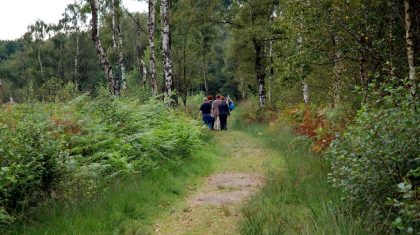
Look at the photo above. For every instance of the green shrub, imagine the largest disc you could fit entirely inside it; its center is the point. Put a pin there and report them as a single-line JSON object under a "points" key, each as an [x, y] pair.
{"points": [[376, 162], [71, 149]]}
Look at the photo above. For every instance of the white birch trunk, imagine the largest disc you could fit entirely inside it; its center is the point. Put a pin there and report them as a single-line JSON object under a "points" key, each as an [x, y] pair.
{"points": [[305, 90], [114, 30], [391, 25], [76, 63], [144, 72], [152, 61], [117, 47], [242, 87], [408, 15], [166, 46], [121, 58], [305, 87], [259, 70], [113, 85]]}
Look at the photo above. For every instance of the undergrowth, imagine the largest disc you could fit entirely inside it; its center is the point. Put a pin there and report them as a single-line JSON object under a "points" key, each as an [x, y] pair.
{"points": [[71, 150], [297, 198], [129, 205]]}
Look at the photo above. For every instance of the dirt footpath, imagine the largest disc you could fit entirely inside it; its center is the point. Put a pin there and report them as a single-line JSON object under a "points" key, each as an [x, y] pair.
{"points": [[214, 208]]}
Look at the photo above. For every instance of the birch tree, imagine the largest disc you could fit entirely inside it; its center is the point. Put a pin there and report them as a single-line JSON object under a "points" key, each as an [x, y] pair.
{"points": [[166, 46], [409, 39], [117, 46], [151, 36], [75, 20], [113, 84], [39, 31]]}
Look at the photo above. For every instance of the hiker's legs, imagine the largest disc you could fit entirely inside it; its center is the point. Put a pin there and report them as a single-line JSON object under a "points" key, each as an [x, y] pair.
{"points": [[223, 121], [208, 120], [217, 123]]}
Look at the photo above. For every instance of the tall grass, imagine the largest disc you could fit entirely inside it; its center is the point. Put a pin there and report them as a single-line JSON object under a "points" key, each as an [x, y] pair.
{"points": [[297, 199], [128, 206]]}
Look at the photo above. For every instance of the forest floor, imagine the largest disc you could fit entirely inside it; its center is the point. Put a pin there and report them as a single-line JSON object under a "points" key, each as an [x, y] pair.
{"points": [[214, 206]]}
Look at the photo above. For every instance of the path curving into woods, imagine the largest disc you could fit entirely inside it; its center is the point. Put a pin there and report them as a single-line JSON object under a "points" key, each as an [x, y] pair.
{"points": [[214, 206]]}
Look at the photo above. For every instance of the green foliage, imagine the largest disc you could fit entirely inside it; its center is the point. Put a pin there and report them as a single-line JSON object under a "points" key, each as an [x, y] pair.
{"points": [[70, 149], [376, 162], [296, 198], [129, 205]]}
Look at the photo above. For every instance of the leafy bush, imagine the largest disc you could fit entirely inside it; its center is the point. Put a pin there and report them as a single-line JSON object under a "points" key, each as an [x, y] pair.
{"points": [[376, 162], [70, 149]]}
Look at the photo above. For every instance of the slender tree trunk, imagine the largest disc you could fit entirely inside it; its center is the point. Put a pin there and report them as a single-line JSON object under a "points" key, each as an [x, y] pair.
{"points": [[76, 64], [61, 60], [391, 26], [184, 66], [166, 46], [1, 92], [305, 90], [114, 30], [152, 61], [259, 70], [121, 58], [337, 70], [243, 87], [305, 86], [113, 85], [362, 68], [137, 49], [408, 13], [120, 46], [270, 78], [117, 46], [144, 72], [40, 62]]}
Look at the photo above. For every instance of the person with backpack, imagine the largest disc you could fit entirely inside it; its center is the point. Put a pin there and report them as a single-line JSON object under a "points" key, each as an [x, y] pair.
{"points": [[231, 105]]}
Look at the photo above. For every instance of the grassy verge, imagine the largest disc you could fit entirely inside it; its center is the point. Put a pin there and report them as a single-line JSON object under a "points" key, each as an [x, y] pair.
{"points": [[128, 206], [297, 198]]}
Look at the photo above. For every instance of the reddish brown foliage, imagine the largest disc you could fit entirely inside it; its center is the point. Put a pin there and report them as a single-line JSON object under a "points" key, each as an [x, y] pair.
{"points": [[313, 125], [68, 126]]}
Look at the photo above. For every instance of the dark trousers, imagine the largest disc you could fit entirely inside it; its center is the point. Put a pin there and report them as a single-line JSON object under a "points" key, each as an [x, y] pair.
{"points": [[223, 121], [208, 120]]}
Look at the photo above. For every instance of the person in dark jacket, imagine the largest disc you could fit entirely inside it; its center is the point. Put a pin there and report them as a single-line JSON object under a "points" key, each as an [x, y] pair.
{"points": [[223, 113], [205, 110]]}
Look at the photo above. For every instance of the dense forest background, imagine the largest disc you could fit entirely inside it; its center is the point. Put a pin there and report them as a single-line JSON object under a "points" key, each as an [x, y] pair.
{"points": [[318, 52], [343, 72]]}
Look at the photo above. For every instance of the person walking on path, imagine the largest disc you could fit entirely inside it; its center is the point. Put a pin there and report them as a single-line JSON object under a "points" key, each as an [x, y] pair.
{"points": [[210, 99], [224, 113], [205, 110], [215, 112]]}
